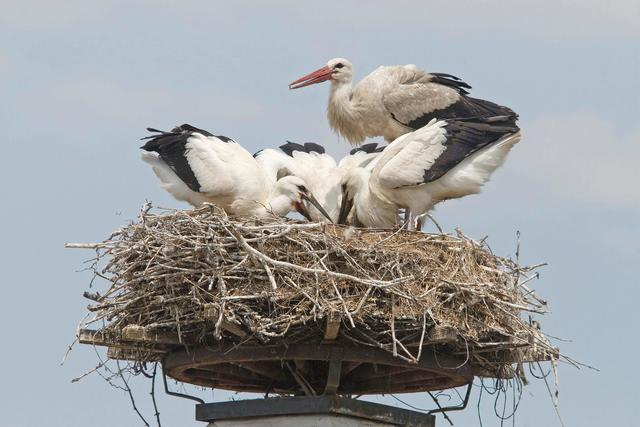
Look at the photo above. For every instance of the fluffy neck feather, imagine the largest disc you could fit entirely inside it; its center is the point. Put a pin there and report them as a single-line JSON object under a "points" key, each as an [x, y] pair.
{"points": [[343, 117], [280, 204]]}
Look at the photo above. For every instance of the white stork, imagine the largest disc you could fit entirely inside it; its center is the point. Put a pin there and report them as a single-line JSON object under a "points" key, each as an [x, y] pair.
{"points": [[394, 100], [197, 167], [444, 160], [318, 169]]}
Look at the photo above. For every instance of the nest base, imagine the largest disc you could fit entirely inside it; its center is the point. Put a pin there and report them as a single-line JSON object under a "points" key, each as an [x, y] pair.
{"points": [[335, 368]]}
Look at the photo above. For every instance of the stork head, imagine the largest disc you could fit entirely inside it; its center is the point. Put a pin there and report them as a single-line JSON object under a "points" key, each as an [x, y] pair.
{"points": [[353, 183], [338, 70], [295, 190]]}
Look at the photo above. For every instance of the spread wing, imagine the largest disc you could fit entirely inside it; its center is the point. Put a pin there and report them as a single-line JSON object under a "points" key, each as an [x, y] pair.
{"points": [[404, 161], [464, 138], [430, 152], [171, 182], [206, 163]]}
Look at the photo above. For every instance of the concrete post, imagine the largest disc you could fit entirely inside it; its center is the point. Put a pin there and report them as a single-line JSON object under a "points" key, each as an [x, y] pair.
{"points": [[310, 411]]}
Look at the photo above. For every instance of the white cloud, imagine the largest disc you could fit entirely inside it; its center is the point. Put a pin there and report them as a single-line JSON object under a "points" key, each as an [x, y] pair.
{"points": [[578, 158]]}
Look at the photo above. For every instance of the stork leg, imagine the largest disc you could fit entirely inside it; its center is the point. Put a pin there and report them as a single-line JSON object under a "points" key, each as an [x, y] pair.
{"points": [[419, 222], [407, 218]]}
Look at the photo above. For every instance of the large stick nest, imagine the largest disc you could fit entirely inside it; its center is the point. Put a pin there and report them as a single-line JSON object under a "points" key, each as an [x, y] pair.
{"points": [[279, 281]]}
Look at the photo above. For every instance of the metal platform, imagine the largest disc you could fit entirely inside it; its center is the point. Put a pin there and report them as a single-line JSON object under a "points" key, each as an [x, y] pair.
{"points": [[317, 405], [315, 369]]}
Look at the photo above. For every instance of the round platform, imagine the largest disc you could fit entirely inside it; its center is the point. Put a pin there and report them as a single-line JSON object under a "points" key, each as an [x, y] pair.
{"points": [[314, 369]]}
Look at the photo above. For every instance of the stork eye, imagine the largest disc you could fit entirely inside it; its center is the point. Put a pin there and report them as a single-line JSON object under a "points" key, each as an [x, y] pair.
{"points": [[302, 188], [338, 65]]}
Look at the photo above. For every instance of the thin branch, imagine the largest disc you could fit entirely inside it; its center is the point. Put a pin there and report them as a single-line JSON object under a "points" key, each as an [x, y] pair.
{"points": [[128, 390]]}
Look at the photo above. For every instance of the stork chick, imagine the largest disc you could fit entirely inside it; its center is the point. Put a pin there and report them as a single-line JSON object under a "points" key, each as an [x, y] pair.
{"points": [[318, 169], [196, 166]]}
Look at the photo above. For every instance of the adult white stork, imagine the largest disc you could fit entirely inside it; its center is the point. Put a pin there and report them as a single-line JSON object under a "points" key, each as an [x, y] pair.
{"points": [[197, 167], [444, 160], [394, 100], [318, 169]]}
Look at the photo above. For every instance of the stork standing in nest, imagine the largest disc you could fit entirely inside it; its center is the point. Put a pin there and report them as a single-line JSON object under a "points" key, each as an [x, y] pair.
{"points": [[394, 100], [197, 167], [444, 160]]}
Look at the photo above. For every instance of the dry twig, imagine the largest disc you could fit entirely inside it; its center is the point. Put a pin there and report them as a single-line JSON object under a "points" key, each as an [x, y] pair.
{"points": [[277, 280]]}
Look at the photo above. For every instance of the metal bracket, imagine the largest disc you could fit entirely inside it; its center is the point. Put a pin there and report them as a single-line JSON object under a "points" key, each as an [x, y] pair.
{"points": [[453, 408], [173, 393]]}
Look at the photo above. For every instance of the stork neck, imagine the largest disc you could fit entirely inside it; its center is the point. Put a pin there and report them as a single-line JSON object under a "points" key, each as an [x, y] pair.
{"points": [[379, 213], [373, 209], [344, 118], [340, 95], [370, 209], [271, 162]]}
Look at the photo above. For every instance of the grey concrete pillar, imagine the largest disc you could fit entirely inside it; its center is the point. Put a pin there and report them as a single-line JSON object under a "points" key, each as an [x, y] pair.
{"points": [[312, 411]]}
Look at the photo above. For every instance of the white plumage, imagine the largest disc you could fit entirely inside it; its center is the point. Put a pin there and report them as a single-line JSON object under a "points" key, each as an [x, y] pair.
{"points": [[197, 167], [318, 169], [171, 183], [394, 100], [411, 173]]}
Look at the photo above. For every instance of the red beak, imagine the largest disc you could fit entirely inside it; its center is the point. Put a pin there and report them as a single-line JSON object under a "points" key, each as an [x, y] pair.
{"points": [[318, 76]]}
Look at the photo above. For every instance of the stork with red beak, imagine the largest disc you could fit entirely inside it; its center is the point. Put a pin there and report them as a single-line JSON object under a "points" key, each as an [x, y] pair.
{"points": [[398, 99]]}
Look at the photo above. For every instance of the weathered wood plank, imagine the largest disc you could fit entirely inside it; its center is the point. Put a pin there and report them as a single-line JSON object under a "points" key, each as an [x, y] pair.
{"points": [[442, 335], [333, 325], [137, 355], [119, 350], [137, 333], [95, 337]]}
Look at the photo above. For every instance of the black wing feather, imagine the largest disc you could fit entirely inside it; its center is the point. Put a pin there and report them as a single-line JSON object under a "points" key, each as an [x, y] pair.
{"points": [[224, 138], [468, 108], [308, 147], [189, 128], [450, 81], [465, 137], [367, 148], [172, 148], [290, 147], [312, 147]]}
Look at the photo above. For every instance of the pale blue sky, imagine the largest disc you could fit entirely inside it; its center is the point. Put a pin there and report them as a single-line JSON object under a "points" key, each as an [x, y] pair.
{"points": [[81, 80]]}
